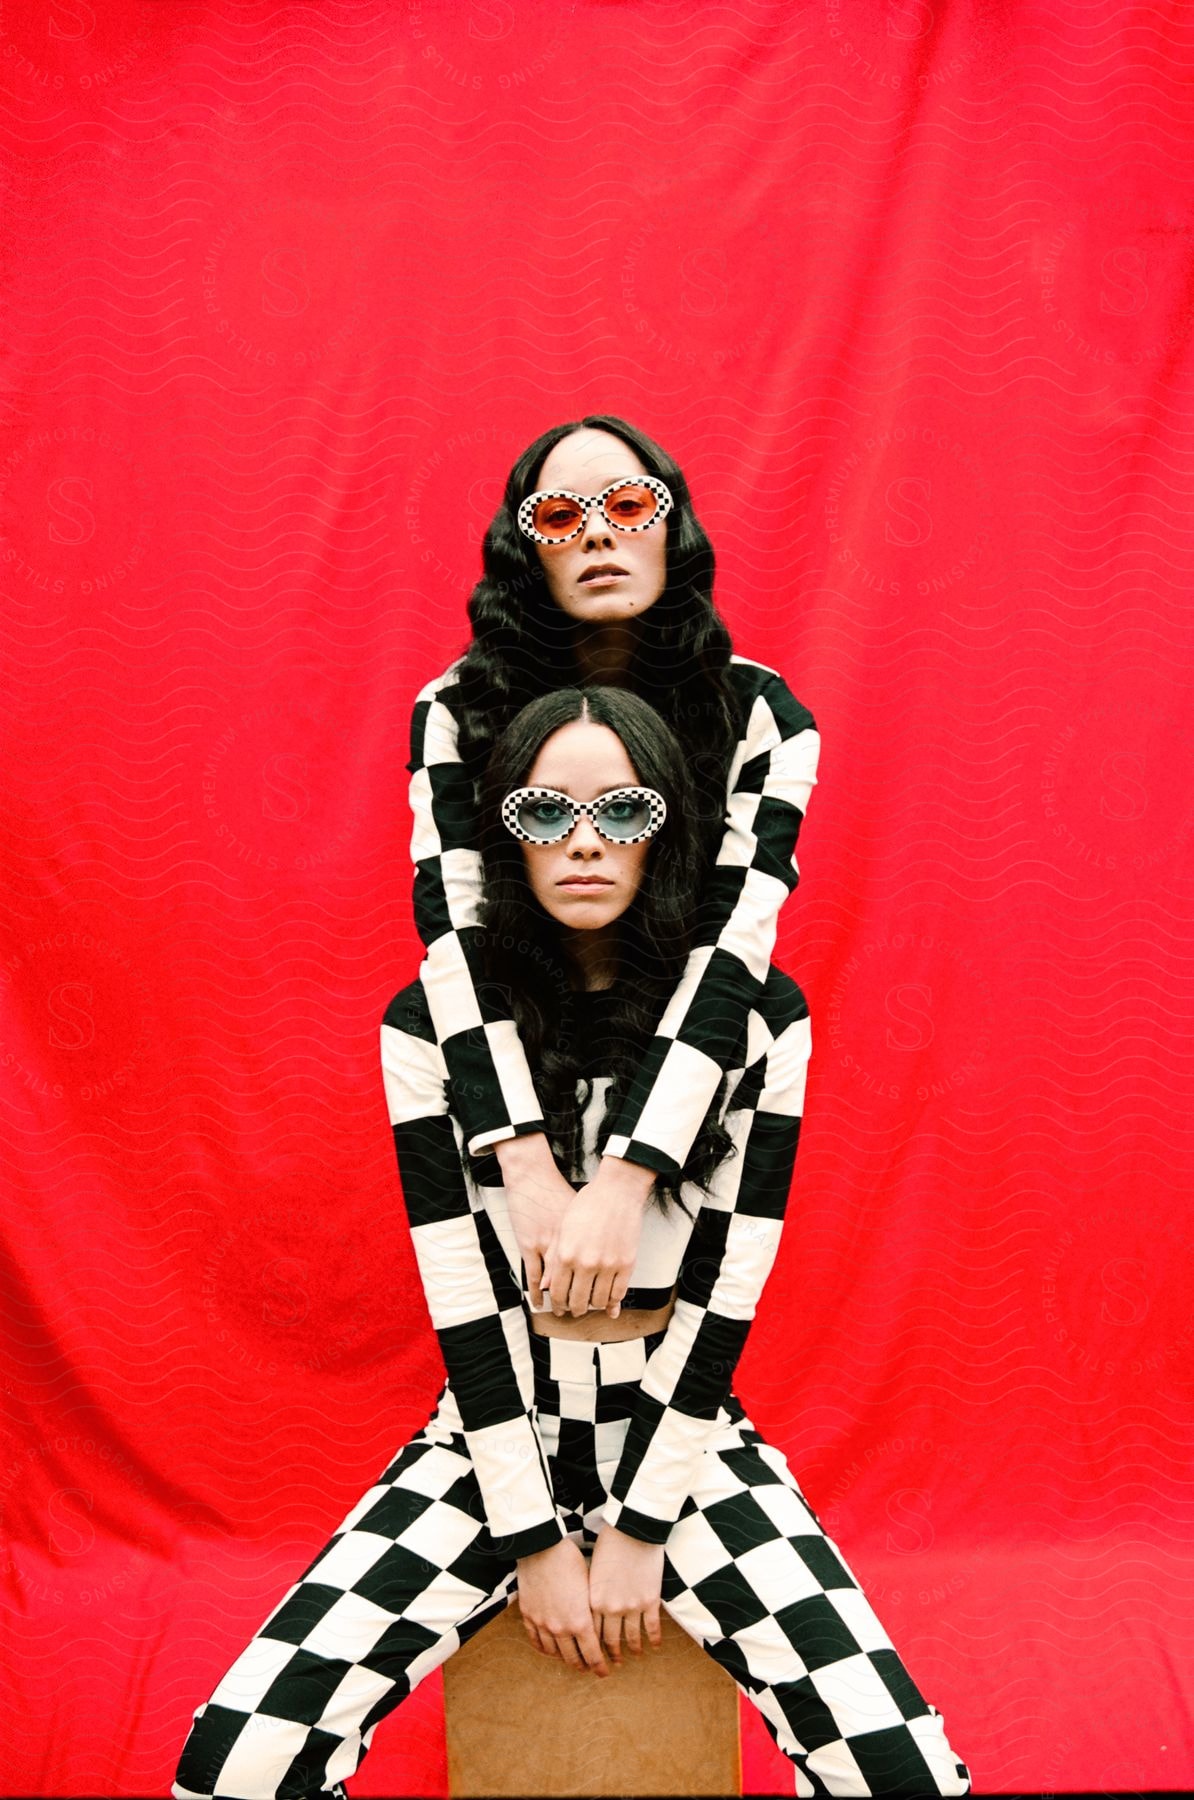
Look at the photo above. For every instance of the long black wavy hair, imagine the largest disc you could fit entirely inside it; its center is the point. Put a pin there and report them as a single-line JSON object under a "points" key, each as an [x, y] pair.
{"points": [[523, 953], [522, 643]]}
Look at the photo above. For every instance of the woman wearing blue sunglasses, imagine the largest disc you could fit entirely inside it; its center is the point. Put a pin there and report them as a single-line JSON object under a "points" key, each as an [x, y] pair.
{"points": [[598, 1468]]}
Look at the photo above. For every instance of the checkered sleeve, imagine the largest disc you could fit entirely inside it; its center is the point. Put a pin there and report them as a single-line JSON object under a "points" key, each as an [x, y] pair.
{"points": [[472, 1295], [772, 774], [725, 1266], [493, 1095]]}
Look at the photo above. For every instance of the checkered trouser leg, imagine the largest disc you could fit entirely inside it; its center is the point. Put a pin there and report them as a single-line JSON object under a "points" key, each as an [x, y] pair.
{"points": [[751, 1575], [407, 1577]]}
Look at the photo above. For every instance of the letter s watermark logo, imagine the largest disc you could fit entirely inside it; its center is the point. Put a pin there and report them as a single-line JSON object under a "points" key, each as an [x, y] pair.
{"points": [[74, 21], [498, 17], [1128, 767], [66, 499], [915, 523], [914, 1021], [1125, 267], [287, 293], [909, 19]]}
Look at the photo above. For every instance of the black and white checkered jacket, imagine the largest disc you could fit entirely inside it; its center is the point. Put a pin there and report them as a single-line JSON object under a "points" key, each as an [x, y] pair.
{"points": [[474, 1278], [772, 772]]}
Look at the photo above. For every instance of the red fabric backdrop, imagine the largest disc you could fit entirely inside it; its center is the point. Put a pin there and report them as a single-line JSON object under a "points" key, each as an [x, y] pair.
{"points": [[906, 288]]}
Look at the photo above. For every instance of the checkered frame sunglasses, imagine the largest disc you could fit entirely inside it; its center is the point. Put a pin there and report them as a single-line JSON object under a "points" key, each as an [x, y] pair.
{"points": [[557, 515], [524, 810]]}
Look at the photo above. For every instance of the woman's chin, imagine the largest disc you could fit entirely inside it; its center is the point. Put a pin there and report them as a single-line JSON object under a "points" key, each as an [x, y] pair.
{"points": [[584, 912], [609, 607]]}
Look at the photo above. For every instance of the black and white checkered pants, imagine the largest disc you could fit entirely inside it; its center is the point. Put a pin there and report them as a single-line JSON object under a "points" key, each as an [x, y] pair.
{"points": [[412, 1572]]}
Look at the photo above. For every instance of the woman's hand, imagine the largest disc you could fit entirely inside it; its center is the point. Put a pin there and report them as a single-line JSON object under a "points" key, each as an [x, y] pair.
{"points": [[625, 1579], [553, 1598], [537, 1197], [589, 1267]]}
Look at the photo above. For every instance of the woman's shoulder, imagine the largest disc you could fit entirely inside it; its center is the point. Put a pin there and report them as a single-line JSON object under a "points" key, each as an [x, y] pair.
{"points": [[409, 1012], [754, 681], [781, 1001], [442, 686]]}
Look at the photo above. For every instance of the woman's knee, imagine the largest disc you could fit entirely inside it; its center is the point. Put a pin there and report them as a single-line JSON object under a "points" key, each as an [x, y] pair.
{"points": [[249, 1757]]}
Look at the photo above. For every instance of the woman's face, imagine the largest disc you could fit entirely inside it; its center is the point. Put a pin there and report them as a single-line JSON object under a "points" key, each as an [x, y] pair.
{"points": [[587, 461], [584, 882]]}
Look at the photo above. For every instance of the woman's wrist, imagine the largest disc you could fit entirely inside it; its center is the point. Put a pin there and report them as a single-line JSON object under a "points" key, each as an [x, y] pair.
{"points": [[537, 1556], [627, 1178], [532, 1152], [626, 1537]]}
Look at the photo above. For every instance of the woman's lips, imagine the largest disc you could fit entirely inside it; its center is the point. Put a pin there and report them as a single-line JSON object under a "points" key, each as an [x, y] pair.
{"points": [[581, 884], [603, 580]]}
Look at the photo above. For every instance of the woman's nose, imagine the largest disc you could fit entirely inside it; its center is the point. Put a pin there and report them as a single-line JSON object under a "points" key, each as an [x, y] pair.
{"points": [[598, 529], [584, 840]]}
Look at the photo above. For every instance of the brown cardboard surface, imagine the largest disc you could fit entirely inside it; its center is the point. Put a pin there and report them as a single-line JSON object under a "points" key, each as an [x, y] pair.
{"points": [[521, 1723]]}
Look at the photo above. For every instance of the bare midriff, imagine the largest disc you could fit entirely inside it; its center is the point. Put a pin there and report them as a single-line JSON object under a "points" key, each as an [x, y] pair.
{"points": [[599, 1328]]}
